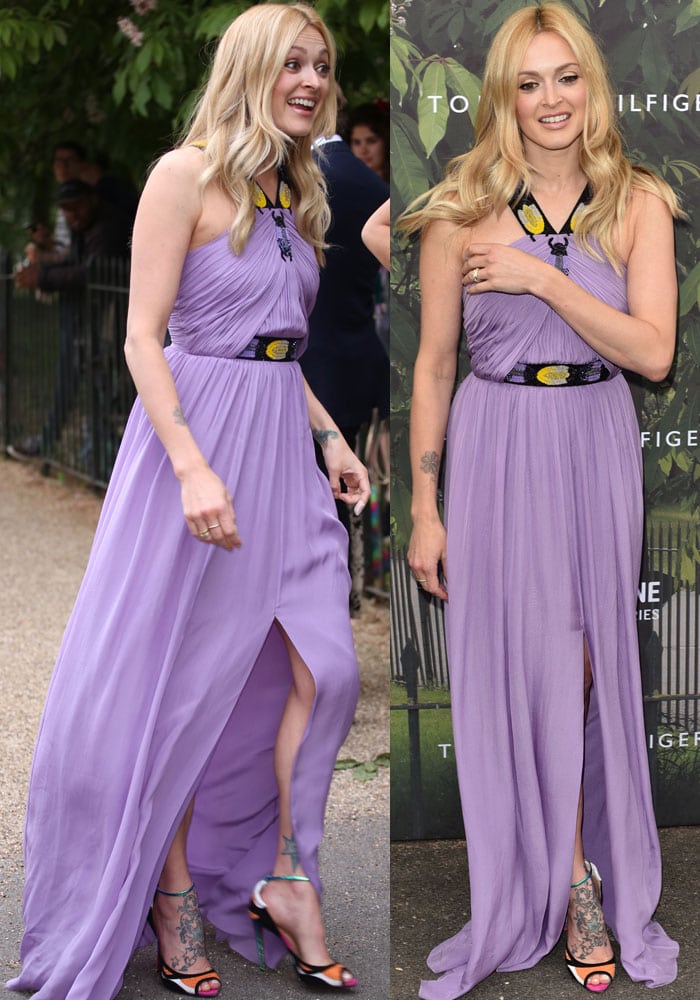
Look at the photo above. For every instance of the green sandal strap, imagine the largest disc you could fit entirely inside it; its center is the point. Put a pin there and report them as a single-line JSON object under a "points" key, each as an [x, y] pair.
{"points": [[575, 885], [286, 878], [183, 892]]}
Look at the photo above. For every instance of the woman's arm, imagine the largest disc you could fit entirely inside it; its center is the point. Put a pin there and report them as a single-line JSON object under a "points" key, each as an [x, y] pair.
{"points": [[376, 234], [168, 213], [341, 461], [642, 341], [433, 382]]}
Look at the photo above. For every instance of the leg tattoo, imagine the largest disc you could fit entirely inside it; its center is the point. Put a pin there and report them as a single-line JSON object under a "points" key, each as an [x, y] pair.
{"points": [[191, 933], [586, 915], [292, 851]]}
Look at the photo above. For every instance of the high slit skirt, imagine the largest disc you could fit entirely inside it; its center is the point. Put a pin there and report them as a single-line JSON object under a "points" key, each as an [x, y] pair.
{"points": [[544, 529], [172, 680]]}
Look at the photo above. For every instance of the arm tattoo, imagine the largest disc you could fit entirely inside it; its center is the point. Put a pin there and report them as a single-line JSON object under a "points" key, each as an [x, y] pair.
{"points": [[291, 849], [179, 416], [324, 436], [430, 463]]}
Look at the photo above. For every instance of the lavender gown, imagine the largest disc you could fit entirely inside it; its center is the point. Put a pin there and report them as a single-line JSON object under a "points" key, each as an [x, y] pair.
{"points": [[171, 678], [544, 528]]}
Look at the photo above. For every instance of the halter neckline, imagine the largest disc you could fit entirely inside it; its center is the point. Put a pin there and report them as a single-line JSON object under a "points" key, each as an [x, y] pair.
{"points": [[283, 195], [535, 222]]}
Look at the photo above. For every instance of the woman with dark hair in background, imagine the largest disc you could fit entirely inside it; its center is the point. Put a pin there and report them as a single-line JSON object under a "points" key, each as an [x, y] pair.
{"points": [[368, 136]]}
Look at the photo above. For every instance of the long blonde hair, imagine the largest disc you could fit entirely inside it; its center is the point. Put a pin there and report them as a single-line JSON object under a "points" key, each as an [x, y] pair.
{"points": [[233, 119], [485, 179]]}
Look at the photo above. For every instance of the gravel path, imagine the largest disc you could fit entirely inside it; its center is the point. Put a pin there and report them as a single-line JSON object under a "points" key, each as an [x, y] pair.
{"points": [[47, 528]]}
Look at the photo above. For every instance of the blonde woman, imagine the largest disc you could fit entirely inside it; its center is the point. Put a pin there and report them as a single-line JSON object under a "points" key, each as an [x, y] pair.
{"points": [[566, 254], [207, 676]]}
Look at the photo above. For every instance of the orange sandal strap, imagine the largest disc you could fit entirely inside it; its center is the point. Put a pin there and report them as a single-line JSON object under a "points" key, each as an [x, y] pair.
{"points": [[583, 971], [191, 982], [332, 974]]}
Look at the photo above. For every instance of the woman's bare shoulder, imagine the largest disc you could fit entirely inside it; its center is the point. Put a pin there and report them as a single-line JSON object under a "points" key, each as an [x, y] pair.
{"points": [[645, 205], [184, 163], [447, 235], [646, 213]]}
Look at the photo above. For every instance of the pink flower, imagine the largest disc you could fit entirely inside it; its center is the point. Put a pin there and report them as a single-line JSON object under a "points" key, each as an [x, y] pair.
{"points": [[128, 28], [144, 6]]}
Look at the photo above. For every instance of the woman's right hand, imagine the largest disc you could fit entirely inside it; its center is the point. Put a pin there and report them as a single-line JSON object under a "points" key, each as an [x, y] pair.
{"points": [[427, 551], [208, 509]]}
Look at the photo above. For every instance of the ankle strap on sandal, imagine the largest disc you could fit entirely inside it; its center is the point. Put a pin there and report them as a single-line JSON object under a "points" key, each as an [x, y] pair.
{"points": [[183, 892], [286, 878], [575, 885]]}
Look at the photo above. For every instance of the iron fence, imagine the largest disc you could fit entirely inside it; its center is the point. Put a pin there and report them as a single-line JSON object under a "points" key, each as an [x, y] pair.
{"points": [[66, 389]]}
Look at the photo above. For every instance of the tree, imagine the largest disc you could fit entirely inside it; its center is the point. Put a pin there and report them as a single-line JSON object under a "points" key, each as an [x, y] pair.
{"points": [[120, 77]]}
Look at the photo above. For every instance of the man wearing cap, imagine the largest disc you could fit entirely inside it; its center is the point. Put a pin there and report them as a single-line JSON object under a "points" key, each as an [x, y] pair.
{"points": [[97, 228]]}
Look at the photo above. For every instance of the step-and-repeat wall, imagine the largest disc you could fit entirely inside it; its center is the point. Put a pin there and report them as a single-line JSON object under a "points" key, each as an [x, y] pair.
{"points": [[653, 50]]}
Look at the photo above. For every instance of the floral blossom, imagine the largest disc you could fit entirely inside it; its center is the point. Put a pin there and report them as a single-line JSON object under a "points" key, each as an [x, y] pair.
{"points": [[144, 6], [531, 219], [128, 28]]}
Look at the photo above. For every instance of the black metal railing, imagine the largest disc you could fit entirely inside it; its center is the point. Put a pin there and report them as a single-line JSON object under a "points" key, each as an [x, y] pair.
{"points": [[67, 390]]}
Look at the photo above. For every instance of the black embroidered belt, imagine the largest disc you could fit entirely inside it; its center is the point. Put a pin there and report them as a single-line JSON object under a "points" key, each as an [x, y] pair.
{"points": [[270, 349], [557, 374]]}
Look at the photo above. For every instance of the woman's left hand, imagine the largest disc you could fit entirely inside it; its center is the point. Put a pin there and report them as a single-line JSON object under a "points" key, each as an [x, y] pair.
{"points": [[495, 267], [344, 466]]}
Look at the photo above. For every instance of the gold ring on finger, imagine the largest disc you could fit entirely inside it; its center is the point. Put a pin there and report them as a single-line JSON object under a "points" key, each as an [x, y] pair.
{"points": [[210, 527], [205, 534], [424, 580], [475, 275]]}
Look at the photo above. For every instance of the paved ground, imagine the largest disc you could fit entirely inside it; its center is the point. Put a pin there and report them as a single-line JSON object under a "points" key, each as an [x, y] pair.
{"points": [[46, 528], [429, 902]]}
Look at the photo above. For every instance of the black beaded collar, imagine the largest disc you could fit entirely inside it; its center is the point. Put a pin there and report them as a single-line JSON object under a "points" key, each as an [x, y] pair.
{"points": [[535, 222], [282, 203]]}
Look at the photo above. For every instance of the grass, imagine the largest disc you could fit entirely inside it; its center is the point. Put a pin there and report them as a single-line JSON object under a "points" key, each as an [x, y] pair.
{"points": [[437, 790], [677, 772], [397, 694], [433, 791]]}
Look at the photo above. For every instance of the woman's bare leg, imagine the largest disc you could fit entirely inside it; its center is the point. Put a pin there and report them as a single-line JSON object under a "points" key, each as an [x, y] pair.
{"points": [[587, 937], [294, 906], [177, 918]]}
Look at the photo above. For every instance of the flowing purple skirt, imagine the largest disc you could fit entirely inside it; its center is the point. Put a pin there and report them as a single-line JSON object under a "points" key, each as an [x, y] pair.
{"points": [[544, 525], [172, 676]]}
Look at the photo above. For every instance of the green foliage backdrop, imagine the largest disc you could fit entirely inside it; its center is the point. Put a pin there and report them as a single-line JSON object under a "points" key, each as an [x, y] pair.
{"points": [[436, 57], [119, 76]]}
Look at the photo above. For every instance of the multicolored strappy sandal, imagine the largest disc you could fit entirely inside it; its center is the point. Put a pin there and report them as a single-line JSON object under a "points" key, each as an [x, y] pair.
{"points": [[183, 982], [585, 971], [334, 976]]}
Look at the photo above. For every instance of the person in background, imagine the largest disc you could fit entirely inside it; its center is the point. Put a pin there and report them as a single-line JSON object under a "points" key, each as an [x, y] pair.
{"points": [[376, 234], [368, 136], [345, 363], [97, 230], [67, 161]]}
